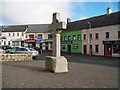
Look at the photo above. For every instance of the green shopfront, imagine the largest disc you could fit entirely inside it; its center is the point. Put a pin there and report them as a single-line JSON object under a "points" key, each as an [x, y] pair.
{"points": [[71, 41]]}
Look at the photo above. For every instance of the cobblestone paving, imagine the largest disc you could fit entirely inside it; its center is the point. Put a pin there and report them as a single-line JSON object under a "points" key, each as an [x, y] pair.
{"points": [[84, 72]]}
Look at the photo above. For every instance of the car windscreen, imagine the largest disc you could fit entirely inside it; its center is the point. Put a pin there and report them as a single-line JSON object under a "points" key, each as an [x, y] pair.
{"points": [[31, 49]]}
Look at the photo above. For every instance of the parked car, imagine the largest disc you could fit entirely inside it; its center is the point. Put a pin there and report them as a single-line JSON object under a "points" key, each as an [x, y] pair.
{"points": [[2, 51], [5, 47], [23, 50]]}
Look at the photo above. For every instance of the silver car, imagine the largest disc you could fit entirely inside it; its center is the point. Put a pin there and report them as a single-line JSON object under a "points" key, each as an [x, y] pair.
{"points": [[23, 50]]}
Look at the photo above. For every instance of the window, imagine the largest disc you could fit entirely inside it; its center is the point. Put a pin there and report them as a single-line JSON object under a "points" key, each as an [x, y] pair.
{"points": [[49, 36], [31, 36], [17, 34], [22, 34], [96, 48], [107, 34], [65, 38], [61, 38], [8, 42], [75, 46], [96, 36], [84, 36], [90, 36], [40, 36], [9, 34], [26, 36], [4, 43], [13, 34], [69, 38], [74, 37], [118, 34], [79, 37]]}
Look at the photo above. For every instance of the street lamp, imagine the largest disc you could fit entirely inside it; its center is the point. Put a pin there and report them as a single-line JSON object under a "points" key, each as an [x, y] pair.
{"points": [[89, 39]]}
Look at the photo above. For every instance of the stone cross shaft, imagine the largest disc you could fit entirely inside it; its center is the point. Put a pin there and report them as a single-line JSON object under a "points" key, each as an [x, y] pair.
{"points": [[56, 28]]}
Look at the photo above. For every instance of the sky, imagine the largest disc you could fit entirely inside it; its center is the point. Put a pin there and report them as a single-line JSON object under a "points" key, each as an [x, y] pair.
{"points": [[20, 12]]}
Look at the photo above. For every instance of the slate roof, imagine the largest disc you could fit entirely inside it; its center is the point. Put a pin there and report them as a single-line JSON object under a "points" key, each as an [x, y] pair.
{"points": [[0, 28], [16, 28], [38, 28], [98, 21]]}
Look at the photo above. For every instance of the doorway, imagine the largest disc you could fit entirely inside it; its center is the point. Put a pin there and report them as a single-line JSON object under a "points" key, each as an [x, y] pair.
{"points": [[84, 49], [69, 48], [108, 50]]}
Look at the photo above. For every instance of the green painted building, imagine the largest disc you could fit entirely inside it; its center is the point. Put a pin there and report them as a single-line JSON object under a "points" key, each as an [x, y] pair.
{"points": [[71, 41]]}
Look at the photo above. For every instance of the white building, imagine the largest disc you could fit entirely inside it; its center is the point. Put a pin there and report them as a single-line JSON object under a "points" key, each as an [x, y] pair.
{"points": [[13, 35]]}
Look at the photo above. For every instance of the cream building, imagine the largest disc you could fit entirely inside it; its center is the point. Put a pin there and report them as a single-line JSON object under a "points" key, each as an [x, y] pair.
{"points": [[102, 37]]}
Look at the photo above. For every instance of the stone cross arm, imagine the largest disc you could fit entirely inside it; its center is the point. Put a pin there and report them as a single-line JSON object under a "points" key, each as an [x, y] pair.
{"points": [[56, 24]]}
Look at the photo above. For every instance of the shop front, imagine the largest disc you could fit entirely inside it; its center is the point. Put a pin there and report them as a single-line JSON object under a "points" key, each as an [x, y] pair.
{"points": [[30, 43], [39, 43], [112, 48]]}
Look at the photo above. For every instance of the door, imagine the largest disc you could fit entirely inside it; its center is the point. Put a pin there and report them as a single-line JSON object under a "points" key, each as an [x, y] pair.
{"points": [[84, 49], [69, 48], [108, 50]]}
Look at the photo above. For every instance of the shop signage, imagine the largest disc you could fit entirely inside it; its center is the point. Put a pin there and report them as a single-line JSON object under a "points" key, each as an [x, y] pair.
{"points": [[30, 40], [39, 40]]}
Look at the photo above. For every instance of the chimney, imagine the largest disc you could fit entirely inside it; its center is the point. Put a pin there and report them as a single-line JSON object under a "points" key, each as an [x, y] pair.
{"points": [[68, 20], [109, 11]]}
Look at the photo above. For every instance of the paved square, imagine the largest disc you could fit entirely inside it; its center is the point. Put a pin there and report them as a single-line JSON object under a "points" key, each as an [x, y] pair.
{"points": [[84, 72]]}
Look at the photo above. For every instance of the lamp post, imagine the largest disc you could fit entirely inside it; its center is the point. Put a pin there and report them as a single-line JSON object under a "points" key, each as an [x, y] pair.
{"points": [[89, 39]]}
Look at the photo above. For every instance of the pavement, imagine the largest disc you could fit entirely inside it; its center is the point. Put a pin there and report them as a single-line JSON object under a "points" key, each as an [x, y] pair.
{"points": [[84, 72]]}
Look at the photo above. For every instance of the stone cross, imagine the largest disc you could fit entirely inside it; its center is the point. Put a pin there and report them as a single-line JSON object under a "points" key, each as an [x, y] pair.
{"points": [[56, 28]]}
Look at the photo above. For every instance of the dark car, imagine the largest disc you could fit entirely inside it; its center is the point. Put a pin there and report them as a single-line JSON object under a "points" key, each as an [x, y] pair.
{"points": [[5, 47]]}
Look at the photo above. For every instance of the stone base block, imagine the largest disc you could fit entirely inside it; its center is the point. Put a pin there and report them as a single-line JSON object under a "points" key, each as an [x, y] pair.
{"points": [[56, 64]]}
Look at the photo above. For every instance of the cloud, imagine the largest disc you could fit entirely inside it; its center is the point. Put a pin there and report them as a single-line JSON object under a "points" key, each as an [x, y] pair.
{"points": [[33, 12]]}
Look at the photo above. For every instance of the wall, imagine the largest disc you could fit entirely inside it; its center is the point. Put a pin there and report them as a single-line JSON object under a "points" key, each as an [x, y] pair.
{"points": [[15, 57]]}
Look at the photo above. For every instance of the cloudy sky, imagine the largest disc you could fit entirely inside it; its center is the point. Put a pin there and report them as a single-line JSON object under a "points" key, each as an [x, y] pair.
{"points": [[40, 11]]}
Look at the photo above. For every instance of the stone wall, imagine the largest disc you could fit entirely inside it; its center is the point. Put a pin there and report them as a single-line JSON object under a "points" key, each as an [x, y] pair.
{"points": [[15, 57]]}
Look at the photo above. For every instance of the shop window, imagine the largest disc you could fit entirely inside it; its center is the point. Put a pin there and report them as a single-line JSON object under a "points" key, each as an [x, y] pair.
{"points": [[39, 36], [75, 46], [84, 36], [116, 48], [107, 34], [74, 37], [79, 37], [96, 48], [118, 34], [96, 36], [69, 38]]}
